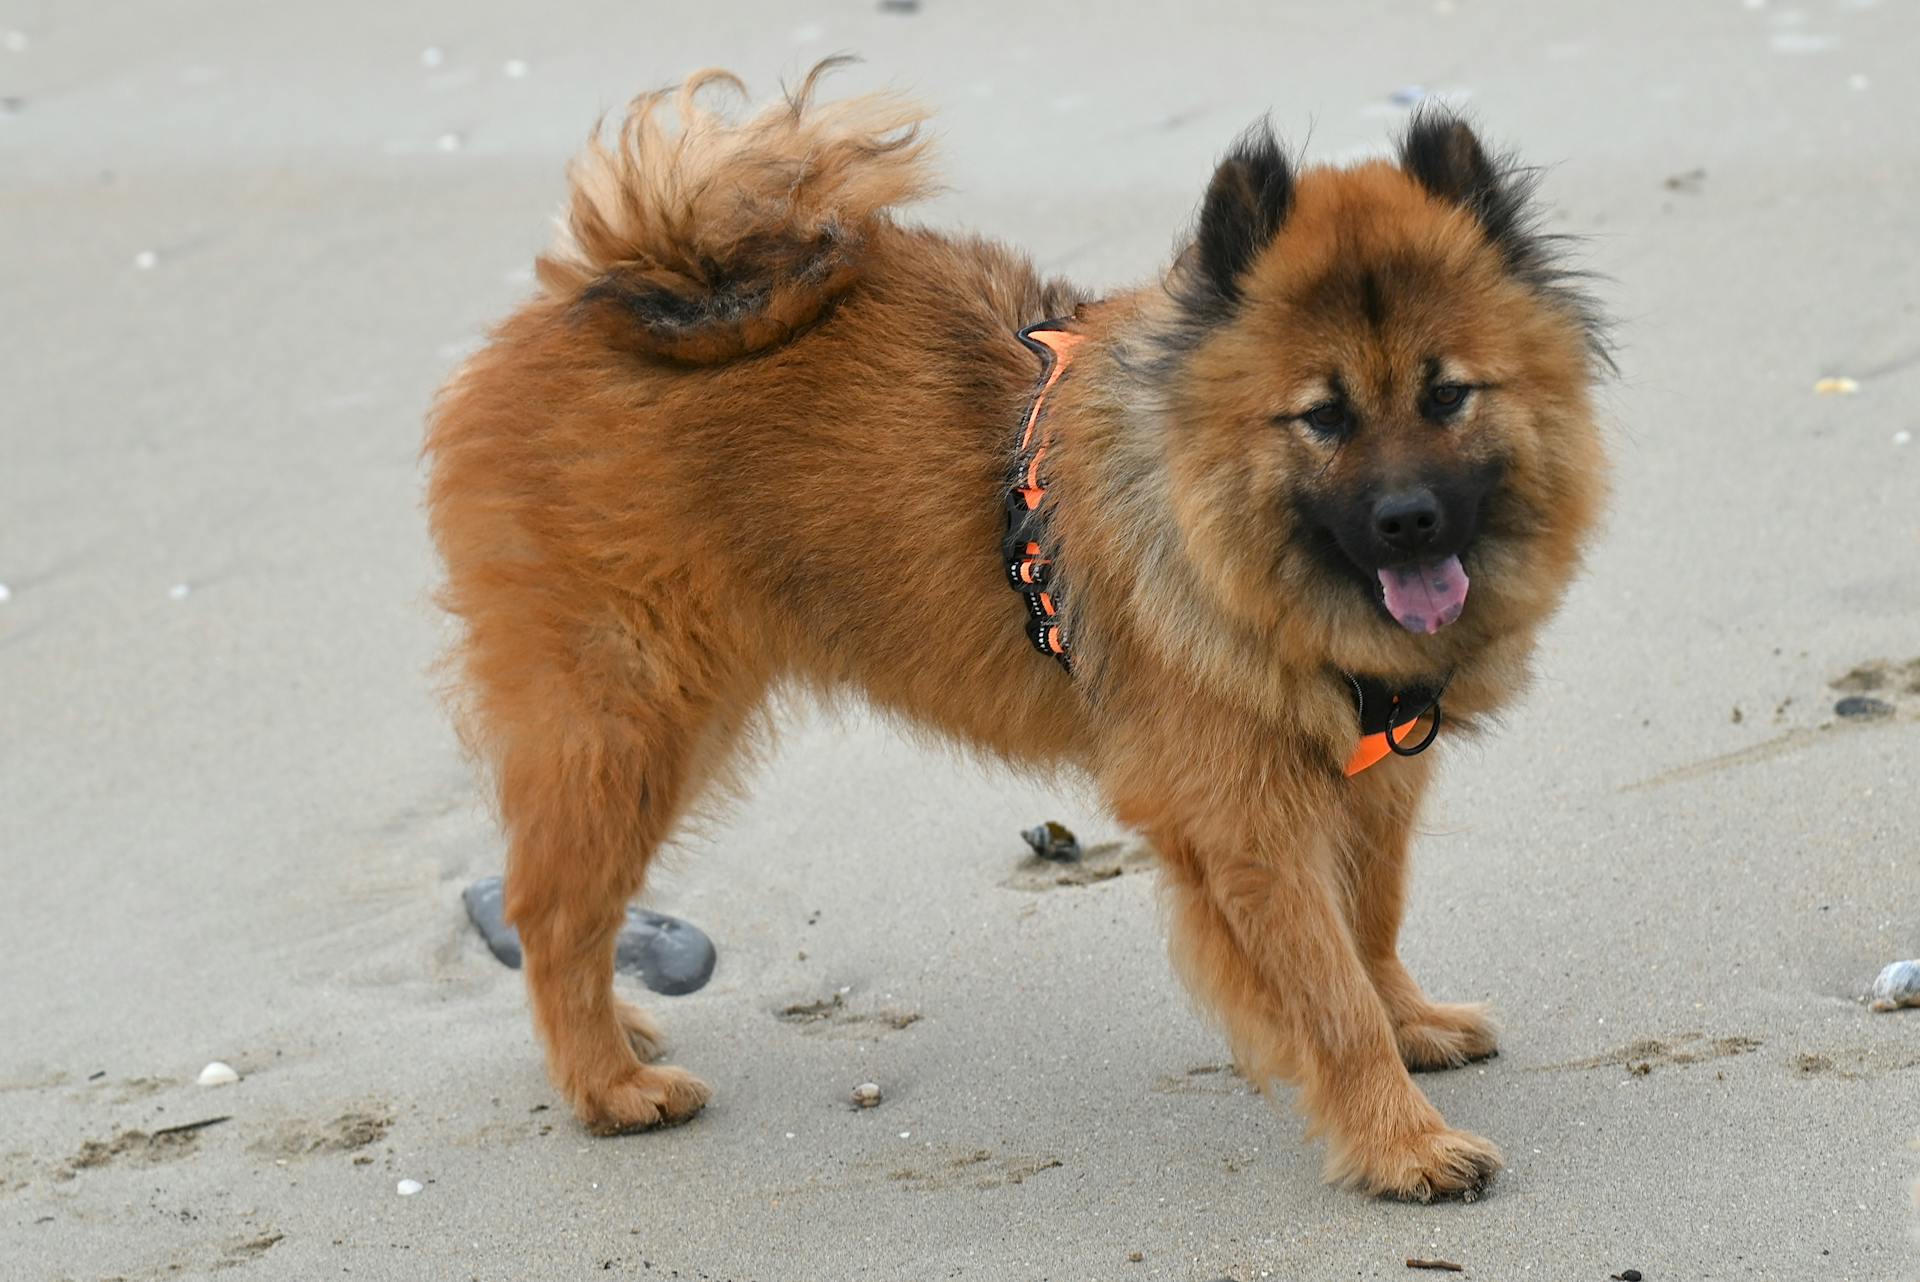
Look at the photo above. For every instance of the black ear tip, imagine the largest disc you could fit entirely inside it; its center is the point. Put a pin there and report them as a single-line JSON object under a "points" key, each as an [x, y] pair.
{"points": [[1258, 144], [1438, 138], [1256, 163], [1435, 114], [1246, 203], [1441, 152]]}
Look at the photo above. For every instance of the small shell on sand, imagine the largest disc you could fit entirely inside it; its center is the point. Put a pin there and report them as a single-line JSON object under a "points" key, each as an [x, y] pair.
{"points": [[866, 1095], [217, 1074], [407, 1188], [1898, 985], [1053, 841], [1836, 387]]}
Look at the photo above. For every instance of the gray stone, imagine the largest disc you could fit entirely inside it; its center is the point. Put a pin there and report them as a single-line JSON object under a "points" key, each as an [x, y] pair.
{"points": [[668, 955]]}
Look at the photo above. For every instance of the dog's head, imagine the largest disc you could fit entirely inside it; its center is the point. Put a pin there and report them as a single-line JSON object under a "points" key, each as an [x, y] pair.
{"points": [[1376, 392]]}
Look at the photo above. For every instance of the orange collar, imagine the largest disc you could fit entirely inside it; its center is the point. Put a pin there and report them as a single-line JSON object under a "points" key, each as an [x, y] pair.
{"points": [[1389, 717], [1389, 720]]}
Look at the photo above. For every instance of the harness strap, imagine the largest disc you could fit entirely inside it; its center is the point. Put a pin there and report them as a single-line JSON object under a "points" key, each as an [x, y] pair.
{"points": [[1029, 571]]}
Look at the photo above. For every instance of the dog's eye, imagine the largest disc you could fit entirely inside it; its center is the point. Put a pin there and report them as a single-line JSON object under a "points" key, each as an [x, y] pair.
{"points": [[1445, 399], [1328, 419]]}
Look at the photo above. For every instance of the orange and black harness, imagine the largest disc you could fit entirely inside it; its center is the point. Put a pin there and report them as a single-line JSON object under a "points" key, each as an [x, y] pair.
{"points": [[1388, 715], [1028, 568]]}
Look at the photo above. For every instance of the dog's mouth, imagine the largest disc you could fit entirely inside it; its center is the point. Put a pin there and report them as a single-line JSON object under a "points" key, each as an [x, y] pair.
{"points": [[1424, 596], [1422, 589]]}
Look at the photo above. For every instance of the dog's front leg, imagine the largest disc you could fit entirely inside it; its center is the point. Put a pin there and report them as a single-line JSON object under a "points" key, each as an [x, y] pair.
{"points": [[1376, 849], [1262, 936]]}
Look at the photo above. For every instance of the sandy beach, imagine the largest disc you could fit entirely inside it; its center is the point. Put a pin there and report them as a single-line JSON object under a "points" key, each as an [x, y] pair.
{"points": [[242, 245]]}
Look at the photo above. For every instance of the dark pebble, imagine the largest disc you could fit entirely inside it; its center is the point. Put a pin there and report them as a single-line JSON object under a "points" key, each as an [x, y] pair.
{"points": [[668, 955], [899, 6], [1859, 705], [1054, 841], [1628, 1275]]}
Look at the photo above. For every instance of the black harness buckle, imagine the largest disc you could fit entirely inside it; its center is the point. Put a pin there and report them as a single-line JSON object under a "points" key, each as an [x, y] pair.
{"points": [[1384, 710]]}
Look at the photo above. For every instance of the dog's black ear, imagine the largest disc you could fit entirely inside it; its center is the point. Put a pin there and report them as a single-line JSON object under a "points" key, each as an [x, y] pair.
{"points": [[1442, 154], [1246, 204]]}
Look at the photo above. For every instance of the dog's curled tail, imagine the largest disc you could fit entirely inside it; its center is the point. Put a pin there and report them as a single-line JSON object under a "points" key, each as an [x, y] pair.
{"points": [[722, 237]]}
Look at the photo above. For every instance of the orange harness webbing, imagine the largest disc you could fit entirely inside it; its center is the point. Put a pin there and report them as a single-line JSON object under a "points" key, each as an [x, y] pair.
{"points": [[1028, 569], [1389, 717]]}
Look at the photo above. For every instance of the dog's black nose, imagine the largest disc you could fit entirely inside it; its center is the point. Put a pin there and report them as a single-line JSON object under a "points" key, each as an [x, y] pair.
{"points": [[1407, 521]]}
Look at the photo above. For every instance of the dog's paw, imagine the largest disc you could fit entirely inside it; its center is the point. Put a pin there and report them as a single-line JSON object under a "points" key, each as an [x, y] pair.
{"points": [[640, 1099], [642, 1033], [1441, 1163], [1446, 1035]]}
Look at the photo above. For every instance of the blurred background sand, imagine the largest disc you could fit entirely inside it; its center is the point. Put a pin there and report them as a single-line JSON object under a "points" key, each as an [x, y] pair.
{"points": [[241, 243]]}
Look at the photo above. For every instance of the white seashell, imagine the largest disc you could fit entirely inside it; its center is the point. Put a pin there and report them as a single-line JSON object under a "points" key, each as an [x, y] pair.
{"points": [[866, 1095], [6, 593], [515, 69], [1901, 437], [1897, 986], [407, 1188], [146, 260], [179, 591], [217, 1074], [449, 142], [432, 56]]}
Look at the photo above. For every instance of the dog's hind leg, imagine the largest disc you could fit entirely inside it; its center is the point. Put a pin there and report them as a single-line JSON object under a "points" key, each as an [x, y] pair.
{"points": [[601, 746], [1430, 1034]]}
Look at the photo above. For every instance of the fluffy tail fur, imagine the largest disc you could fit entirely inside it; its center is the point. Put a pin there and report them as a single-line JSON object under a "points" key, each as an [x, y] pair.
{"points": [[722, 237]]}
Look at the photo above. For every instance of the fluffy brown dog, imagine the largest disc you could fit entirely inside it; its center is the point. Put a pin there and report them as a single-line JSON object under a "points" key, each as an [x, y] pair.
{"points": [[756, 433]]}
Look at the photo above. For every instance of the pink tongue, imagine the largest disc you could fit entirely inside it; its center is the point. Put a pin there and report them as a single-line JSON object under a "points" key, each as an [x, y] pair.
{"points": [[1425, 598]]}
